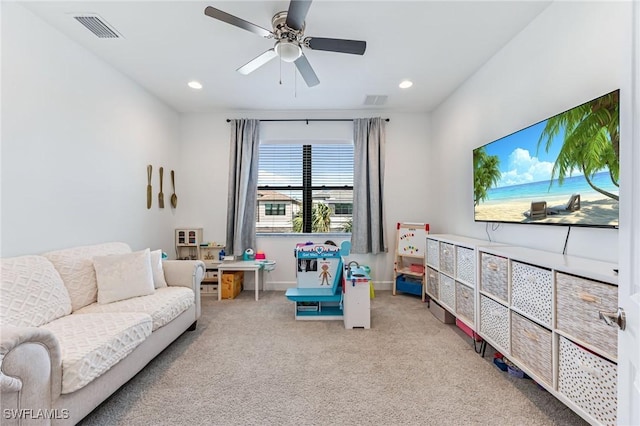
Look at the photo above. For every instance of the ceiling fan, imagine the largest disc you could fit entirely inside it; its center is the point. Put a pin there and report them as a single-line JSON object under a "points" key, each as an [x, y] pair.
{"points": [[288, 31]]}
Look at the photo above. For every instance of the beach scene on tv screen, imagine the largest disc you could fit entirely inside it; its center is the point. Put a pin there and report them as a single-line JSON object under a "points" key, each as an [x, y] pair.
{"points": [[563, 170]]}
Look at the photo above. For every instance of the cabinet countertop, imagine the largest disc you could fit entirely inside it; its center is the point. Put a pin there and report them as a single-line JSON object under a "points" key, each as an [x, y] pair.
{"points": [[574, 265]]}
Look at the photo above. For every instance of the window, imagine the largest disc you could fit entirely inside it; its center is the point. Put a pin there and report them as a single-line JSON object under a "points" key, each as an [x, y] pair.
{"points": [[309, 182], [271, 209], [343, 208]]}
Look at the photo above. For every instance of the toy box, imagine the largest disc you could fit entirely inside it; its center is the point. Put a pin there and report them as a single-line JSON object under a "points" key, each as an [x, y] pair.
{"points": [[409, 285], [231, 284], [441, 313]]}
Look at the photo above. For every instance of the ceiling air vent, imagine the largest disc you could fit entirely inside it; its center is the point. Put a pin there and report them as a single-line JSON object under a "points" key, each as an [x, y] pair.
{"points": [[98, 26], [375, 100]]}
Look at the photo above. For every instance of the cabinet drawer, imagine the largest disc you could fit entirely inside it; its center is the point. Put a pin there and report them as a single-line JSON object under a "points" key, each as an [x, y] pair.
{"points": [[432, 283], [578, 302], [465, 265], [493, 278], [494, 323], [531, 291], [447, 292], [531, 344], [446, 258], [433, 253], [465, 303], [588, 381]]}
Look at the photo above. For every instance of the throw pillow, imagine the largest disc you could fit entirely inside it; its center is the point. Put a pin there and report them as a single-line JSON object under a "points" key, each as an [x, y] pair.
{"points": [[156, 268], [123, 276]]}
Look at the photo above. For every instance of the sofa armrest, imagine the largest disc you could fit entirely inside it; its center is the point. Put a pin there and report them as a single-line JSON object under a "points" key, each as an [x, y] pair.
{"points": [[185, 273], [30, 368]]}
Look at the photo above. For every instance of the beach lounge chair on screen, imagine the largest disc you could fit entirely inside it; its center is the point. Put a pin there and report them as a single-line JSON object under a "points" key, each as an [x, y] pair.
{"points": [[572, 205], [538, 210]]}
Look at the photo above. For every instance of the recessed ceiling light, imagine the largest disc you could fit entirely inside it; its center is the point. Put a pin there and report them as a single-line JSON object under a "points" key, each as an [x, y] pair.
{"points": [[195, 85], [405, 84]]}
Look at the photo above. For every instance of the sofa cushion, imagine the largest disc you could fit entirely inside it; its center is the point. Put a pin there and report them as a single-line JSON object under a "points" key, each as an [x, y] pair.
{"points": [[163, 306], [156, 267], [123, 276], [75, 266], [93, 343], [32, 292]]}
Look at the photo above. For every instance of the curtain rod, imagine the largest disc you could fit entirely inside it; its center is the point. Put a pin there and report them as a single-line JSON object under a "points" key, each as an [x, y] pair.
{"points": [[309, 119]]}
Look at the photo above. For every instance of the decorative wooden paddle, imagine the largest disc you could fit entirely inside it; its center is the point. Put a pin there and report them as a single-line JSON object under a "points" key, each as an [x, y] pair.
{"points": [[174, 197], [161, 195], [149, 196]]}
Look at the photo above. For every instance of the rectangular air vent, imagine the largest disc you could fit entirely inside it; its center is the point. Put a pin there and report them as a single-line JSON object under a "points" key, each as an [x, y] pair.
{"points": [[97, 25], [375, 100]]}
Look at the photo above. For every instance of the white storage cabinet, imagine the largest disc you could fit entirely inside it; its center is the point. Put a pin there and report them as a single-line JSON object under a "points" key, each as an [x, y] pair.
{"points": [[541, 310], [451, 269]]}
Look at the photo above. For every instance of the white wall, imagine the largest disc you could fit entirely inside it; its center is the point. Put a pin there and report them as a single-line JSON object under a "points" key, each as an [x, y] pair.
{"points": [[203, 184], [77, 136], [76, 139], [571, 53]]}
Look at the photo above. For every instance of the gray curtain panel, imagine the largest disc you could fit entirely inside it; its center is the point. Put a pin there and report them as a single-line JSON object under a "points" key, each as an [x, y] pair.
{"points": [[368, 234], [243, 185]]}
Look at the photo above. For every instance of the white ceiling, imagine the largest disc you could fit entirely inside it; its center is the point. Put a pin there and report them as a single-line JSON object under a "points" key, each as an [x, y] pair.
{"points": [[165, 44]]}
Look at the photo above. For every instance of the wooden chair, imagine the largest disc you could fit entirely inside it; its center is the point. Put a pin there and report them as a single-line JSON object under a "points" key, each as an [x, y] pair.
{"points": [[538, 210], [572, 205]]}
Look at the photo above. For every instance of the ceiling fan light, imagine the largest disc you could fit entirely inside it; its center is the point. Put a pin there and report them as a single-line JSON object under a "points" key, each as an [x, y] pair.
{"points": [[288, 51], [405, 84]]}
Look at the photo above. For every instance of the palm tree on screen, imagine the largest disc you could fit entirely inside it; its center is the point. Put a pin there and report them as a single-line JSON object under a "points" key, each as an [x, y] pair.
{"points": [[591, 141], [486, 174]]}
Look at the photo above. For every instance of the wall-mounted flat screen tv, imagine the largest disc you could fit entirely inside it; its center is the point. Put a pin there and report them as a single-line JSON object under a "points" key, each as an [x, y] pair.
{"points": [[561, 171]]}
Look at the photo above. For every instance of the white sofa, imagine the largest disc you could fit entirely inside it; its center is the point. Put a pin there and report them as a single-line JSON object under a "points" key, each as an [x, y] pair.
{"points": [[61, 352]]}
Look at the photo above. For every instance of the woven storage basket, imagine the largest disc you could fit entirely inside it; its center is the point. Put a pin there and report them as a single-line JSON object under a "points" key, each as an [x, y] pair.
{"points": [[493, 276], [494, 323], [432, 283], [578, 302], [465, 265], [447, 291], [446, 258], [531, 344], [465, 303], [588, 381], [531, 291], [433, 253]]}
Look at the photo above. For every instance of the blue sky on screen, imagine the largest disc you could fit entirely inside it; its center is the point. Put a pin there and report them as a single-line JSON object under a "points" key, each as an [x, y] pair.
{"points": [[520, 159]]}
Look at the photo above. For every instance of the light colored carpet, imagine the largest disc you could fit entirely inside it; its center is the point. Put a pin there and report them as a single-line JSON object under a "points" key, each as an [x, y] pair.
{"points": [[251, 363]]}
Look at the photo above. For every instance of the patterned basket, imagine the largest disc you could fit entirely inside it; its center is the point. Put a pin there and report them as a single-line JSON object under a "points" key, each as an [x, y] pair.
{"points": [[446, 258], [531, 291], [589, 381], [433, 253], [494, 323], [465, 265], [493, 276]]}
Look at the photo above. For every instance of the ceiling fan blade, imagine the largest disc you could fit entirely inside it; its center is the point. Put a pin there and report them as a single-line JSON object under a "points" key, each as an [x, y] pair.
{"points": [[257, 62], [304, 67], [355, 47], [297, 13], [234, 20]]}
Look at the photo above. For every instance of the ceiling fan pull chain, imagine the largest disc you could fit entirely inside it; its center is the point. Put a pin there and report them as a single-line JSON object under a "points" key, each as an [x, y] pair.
{"points": [[295, 83], [280, 71]]}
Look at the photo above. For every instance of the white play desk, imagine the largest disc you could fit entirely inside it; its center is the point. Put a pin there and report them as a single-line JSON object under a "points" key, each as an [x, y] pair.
{"points": [[242, 265]]}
